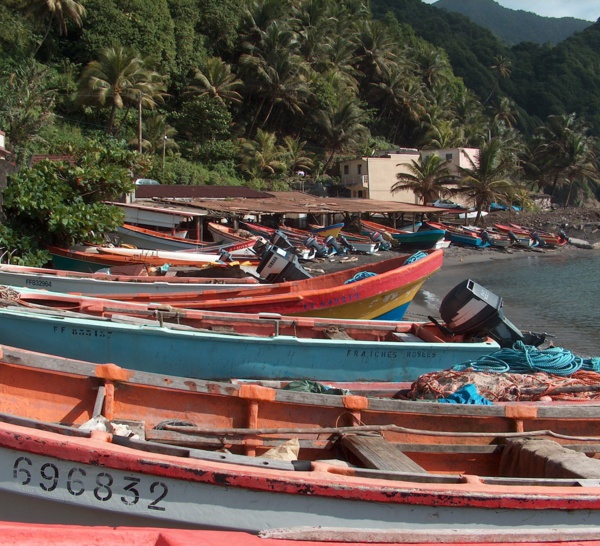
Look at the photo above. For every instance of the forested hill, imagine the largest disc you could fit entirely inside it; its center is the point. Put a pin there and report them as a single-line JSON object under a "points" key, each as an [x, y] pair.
{"points": [[543, 79], [515, 26]]}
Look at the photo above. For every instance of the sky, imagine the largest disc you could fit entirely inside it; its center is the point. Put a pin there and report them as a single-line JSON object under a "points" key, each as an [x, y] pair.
{"points": [[580, 9]]}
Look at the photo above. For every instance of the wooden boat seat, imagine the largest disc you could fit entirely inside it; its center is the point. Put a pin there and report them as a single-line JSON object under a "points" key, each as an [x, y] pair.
{"points": [[406, 337], [376, 452], [541, 458]]}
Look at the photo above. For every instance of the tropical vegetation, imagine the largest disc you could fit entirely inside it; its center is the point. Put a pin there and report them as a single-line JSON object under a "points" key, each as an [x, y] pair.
{"points": [[255, 91]]}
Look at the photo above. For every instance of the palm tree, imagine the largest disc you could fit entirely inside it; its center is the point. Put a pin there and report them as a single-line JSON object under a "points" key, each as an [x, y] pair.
{"points": [[488, 178], [426, 177], [296, 156], [120, 78], [59, 11], [216, 81], [502, 67], [158, 135], [262, 157], [341, 125]]}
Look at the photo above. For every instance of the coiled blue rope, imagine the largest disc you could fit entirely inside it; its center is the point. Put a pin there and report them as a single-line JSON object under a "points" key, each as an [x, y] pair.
{"points": [[523, 358], [416, 256], [360, 276]]}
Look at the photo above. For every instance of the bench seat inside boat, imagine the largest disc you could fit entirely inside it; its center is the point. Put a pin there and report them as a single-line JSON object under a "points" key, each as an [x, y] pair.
{"points": [[542, 458]]}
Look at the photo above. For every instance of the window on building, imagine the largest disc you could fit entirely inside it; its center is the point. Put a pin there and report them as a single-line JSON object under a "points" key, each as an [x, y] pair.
{"points": [[359, 169], [448, 157], [359, 193], [346, 169]]}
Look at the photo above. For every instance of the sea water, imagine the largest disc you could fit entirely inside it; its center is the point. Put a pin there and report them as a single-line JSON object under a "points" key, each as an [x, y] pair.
{"points": [[558, 294]]}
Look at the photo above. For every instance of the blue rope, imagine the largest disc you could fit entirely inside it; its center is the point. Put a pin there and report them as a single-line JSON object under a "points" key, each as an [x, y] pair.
{"points": [[360, 276], [523, 358], [416, 256]]}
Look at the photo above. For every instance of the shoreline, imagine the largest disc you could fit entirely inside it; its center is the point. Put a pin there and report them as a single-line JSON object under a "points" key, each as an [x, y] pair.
{"points": [[458, 263]]}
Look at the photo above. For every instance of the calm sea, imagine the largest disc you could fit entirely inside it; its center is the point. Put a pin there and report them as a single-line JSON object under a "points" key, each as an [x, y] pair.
{"points": [[557, 294]]}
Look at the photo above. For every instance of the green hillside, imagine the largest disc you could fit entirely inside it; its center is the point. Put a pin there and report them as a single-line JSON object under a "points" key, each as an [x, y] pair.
{"points": [[515, 26]]}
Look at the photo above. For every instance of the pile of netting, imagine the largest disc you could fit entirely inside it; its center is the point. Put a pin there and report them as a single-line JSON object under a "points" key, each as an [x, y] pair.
{"points": [[508, 387]]}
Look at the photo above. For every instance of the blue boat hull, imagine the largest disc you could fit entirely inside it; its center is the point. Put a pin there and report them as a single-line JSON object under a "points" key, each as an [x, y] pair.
{"points": [[218, 356]]}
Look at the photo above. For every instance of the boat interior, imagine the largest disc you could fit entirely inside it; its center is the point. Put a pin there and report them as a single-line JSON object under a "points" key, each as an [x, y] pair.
{"points": [[257, 426]]}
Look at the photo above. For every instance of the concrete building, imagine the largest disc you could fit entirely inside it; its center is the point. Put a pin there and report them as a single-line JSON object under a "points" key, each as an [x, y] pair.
{"points": [[371, 177]]}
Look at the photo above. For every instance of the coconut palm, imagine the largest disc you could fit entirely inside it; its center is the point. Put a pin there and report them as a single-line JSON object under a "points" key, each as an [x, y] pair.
{"points": [[341, 124], [502, 68], [296, 157], [57, 11], [426, 177], [261, 156], [487, 180], [120, 79], [216, 81]]}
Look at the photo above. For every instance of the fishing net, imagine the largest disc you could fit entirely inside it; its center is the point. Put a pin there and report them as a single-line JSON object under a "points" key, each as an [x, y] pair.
{"points": [[508, 387]]}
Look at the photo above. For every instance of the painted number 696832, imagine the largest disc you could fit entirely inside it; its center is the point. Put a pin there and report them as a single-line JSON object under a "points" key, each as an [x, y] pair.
{"points": [[77, 481]]}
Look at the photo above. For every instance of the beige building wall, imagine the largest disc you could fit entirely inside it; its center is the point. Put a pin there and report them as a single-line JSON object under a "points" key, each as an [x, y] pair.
{"points": [[371, 177]]}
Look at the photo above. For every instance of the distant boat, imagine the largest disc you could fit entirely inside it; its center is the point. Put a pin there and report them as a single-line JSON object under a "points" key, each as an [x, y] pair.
{"points": [[546, 238], [418, 240], [99, 445], [332, 230], [151, 239], [458, 235], [226, 234]]}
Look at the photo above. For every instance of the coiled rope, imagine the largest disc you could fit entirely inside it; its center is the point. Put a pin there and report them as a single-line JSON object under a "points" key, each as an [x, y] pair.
{"points": [[360, 276], [523, 358], [416, 256]]}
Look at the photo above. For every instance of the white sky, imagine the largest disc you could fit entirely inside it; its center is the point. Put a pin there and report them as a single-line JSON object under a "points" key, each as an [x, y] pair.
{"points": [[580, 9]]}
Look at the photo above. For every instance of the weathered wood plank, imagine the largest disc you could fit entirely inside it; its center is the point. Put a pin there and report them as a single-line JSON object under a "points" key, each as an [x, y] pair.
{"points": [[376, 452]]}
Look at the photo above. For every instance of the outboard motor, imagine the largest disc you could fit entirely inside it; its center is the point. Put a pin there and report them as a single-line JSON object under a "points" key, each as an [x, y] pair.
{"points": [[311, 242], [280, 240], [278, 265], [562, 236], [535, 236], [485, 237], [225, 256], [513, 237], [345, 243], [377, 237], [334, 246], [471, 309], [260, 247]]}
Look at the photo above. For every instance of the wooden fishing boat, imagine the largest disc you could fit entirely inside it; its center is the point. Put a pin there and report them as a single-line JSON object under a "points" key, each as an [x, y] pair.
{"points": [[88, 259], [96, 284], [494, 237], [332, 230], [549, 239], [187, 258], [420, 240], [151, 239], [101, 445], [226, 234], [458, 235], [381, 290], [154, 338]]}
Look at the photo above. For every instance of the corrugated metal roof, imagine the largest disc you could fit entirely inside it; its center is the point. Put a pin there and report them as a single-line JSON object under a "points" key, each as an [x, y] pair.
{"points": [[294, 202], [197, 192]]}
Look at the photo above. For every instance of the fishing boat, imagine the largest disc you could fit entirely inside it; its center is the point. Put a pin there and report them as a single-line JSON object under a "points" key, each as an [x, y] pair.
{"points": [[420, 240], [458, 235], [88, 259], [99, 445], [381, 290], [492, 236], [539, 237], [182, 257], [151, 239], [226, 234], [96, 284], [332, 230], [155, 338]]}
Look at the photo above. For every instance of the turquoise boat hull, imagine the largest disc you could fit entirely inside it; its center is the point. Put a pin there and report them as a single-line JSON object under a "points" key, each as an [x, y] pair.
{"points": [[219, 356]]}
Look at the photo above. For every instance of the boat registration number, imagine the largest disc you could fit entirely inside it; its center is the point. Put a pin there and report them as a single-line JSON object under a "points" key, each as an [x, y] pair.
{"points": [[48, 477]]}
